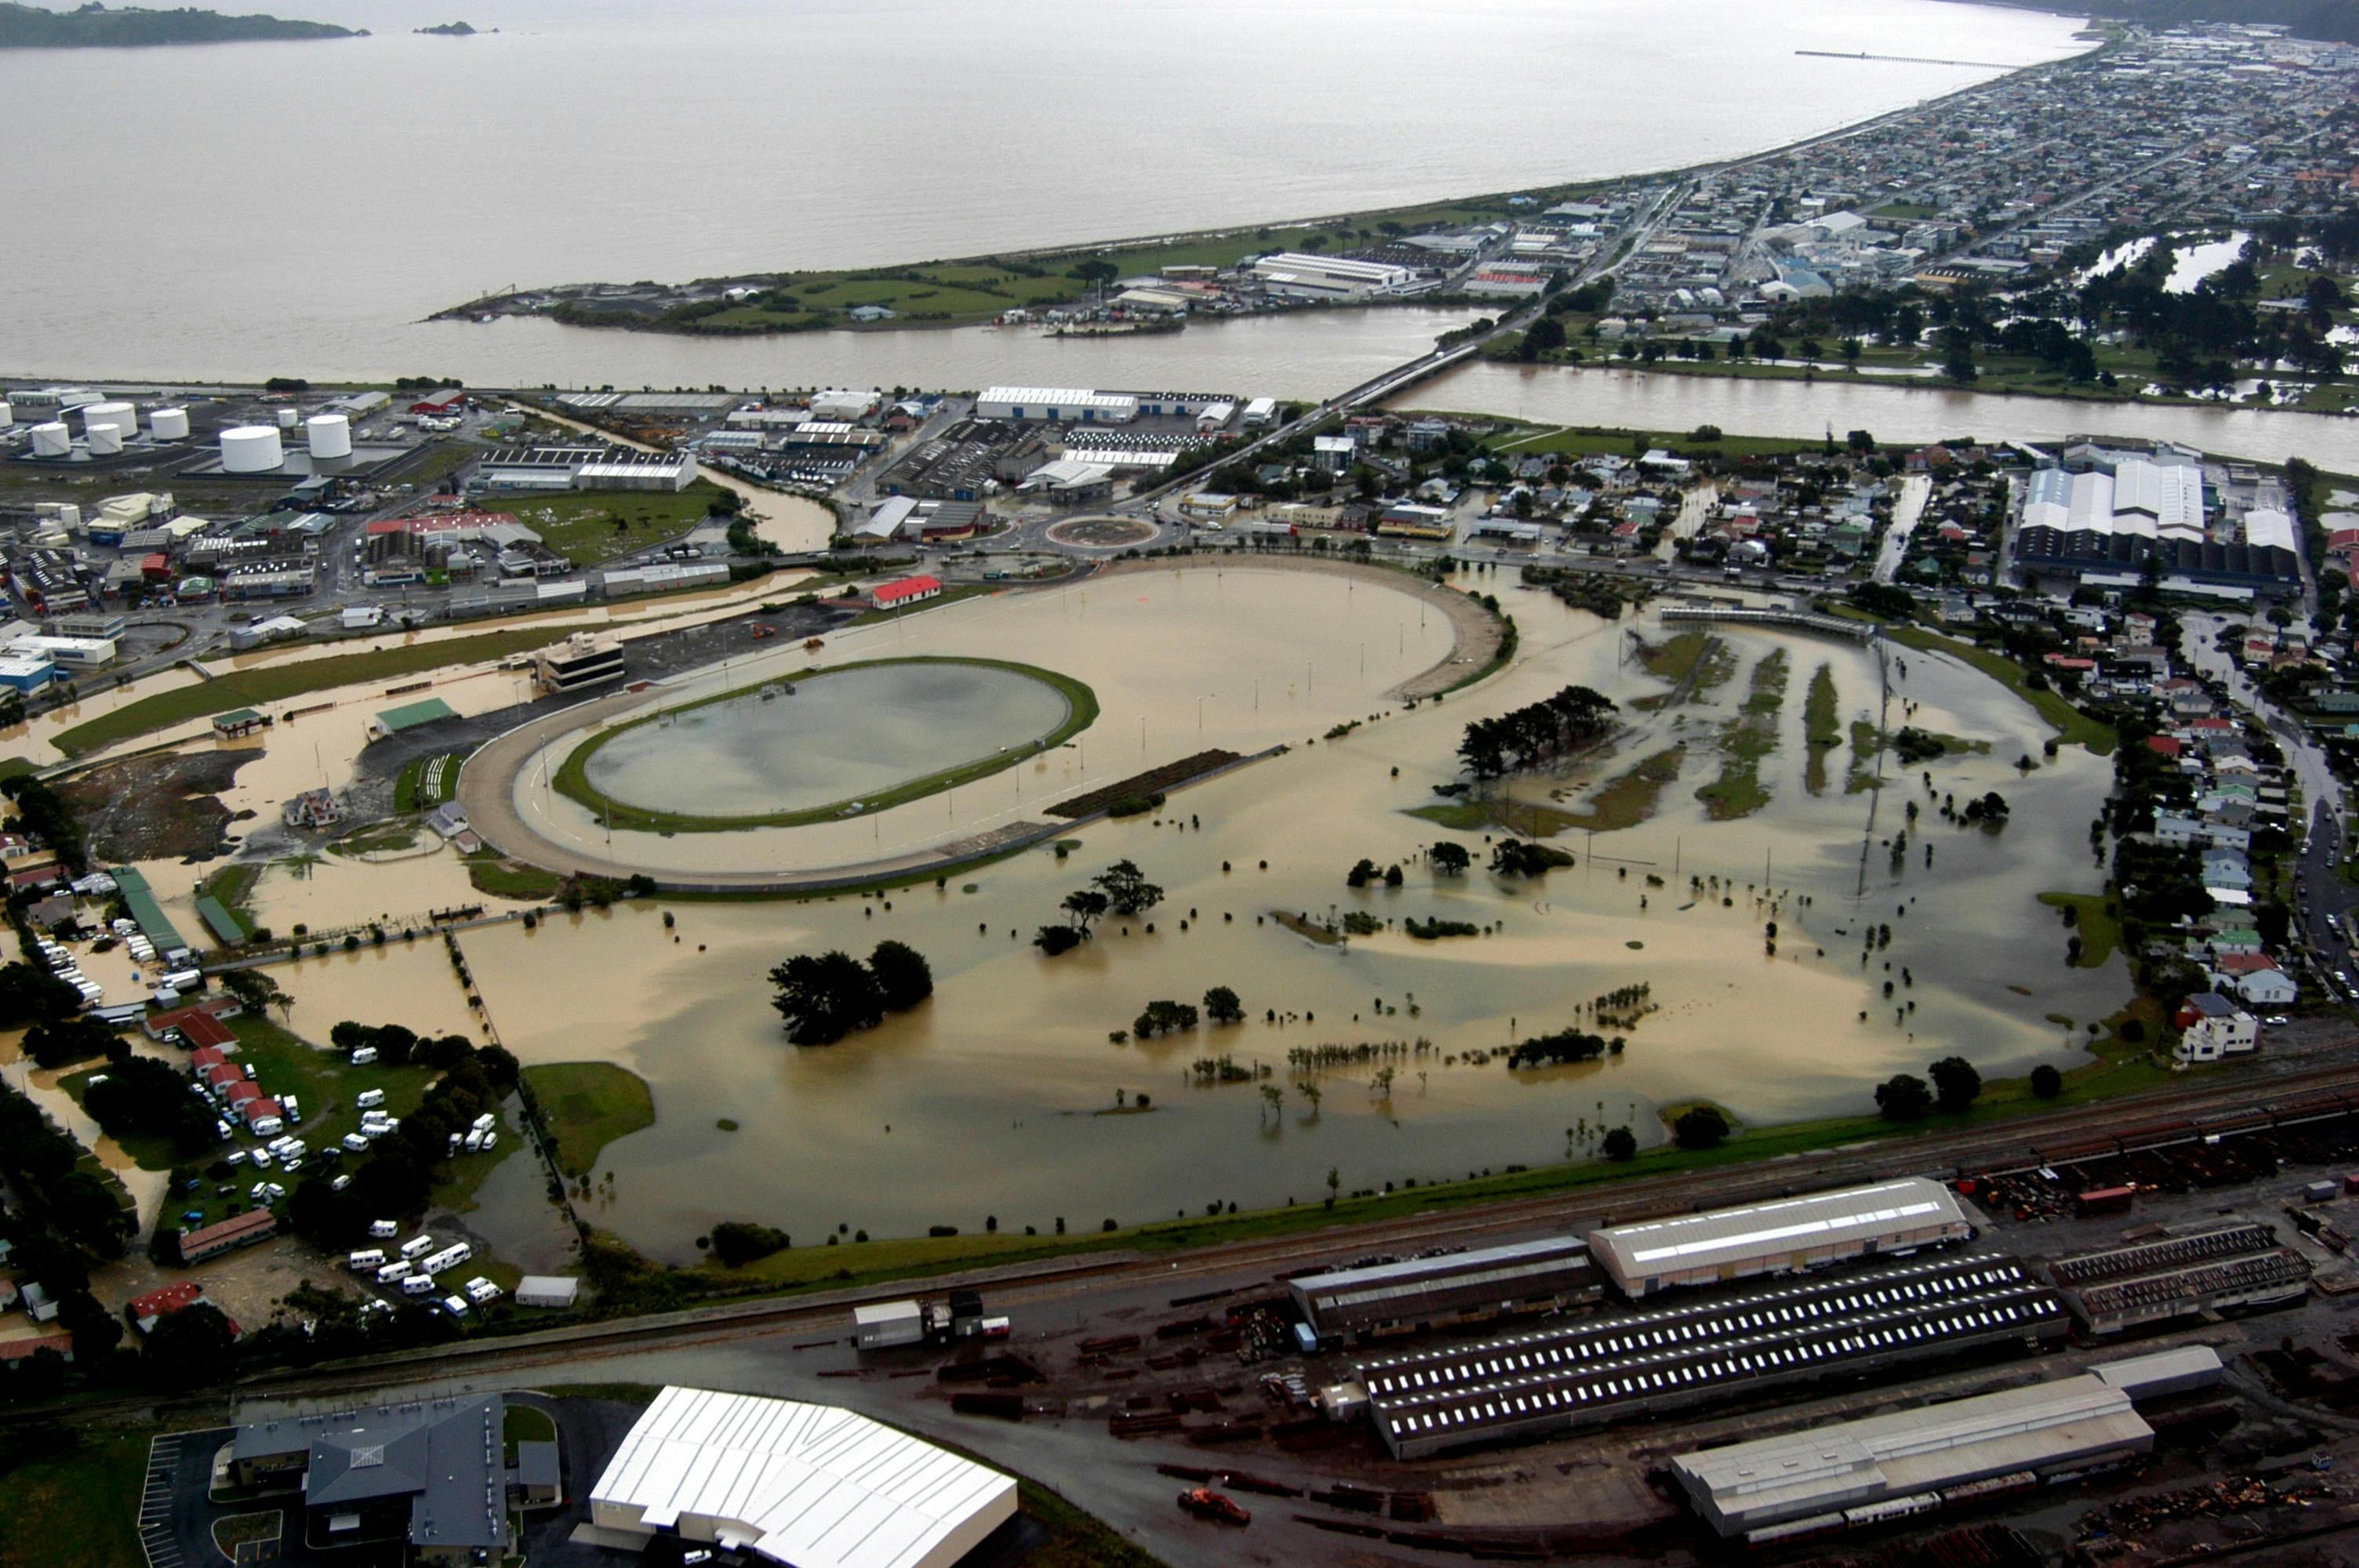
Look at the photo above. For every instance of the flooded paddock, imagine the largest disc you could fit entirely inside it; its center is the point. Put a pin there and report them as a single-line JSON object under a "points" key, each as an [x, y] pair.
{"points": [[1005, 1097]]}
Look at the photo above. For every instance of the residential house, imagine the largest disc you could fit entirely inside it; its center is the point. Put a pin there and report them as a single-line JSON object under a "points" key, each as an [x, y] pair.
{"points": [[2211, 1027]]}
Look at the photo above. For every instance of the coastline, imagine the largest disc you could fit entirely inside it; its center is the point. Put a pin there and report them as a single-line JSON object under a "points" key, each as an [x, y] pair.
{"points": [[1247, 235]]}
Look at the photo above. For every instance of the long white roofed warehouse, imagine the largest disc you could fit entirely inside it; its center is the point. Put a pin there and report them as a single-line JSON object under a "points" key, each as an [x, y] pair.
{"points": [[1782, 1238], [1733, 1344], [1860, 1472], [1457, 1287]]}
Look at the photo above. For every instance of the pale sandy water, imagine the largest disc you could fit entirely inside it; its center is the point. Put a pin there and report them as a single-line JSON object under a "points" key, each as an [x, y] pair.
{"points": [[989, 1090]]}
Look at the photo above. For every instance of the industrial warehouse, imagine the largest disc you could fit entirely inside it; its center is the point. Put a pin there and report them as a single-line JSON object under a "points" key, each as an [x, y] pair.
{"points": [[2226, 1265], [1779, 1238], [803, 1485], [1428, 1293], [1888, 1466], [1661, 1358]]}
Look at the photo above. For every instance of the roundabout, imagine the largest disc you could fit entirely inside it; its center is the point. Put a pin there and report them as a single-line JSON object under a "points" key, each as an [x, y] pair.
{"points": [[823, 744], [1102, 532]]}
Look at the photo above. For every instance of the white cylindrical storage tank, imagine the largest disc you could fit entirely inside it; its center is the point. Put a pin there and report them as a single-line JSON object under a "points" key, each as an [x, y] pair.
{"points": [[7, 414], [287, 419], [170, 424], [120, 418], [251, 448], [105, 440], [52, 440], [328, 436]]}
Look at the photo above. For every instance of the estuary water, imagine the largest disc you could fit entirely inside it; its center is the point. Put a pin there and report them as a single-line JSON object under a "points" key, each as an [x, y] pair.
{"points": [[243, 210]]}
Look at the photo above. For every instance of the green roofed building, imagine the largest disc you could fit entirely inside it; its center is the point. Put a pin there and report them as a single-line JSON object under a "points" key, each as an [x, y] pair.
{"points": [[140, 900], [225, 926], [239, 721], [409, 715]]}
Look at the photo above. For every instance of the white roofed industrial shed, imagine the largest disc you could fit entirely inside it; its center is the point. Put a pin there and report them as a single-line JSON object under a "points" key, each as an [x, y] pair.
{"points": [[807, 1485], [1781, 1237]]}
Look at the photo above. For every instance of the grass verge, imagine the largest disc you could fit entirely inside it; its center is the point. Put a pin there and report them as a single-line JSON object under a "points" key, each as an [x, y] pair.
{"points": [[2099, 929], [1747, 738], [587, 1104], [2073, 726], [1823, 730], [573, 780], [267, 683], [1628, 799], [74, 1505]]}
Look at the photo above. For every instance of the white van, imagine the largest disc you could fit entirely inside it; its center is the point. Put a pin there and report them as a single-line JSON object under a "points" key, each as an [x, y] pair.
{"points": [[355, 1143], [480, 1290], [369, 1098], [455, 1306], [367, 1258], [383, 1229], [418, 1285], [363, 1057], [396, 1269], [418, 1246], [183, 979]]}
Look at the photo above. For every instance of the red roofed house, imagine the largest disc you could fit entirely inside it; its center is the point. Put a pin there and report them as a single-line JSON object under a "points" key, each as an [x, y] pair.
{"points": [[2167, 744], [16, 1350], [221, 1074], [203, 1017], [263, 1115], [903, 591], [149, 1310], [239, 1230], [205, 1056]]}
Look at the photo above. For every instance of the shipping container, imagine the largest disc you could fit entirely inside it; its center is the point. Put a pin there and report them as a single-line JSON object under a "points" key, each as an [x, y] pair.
{"points": [[2105, 1200], [888, 1325]]}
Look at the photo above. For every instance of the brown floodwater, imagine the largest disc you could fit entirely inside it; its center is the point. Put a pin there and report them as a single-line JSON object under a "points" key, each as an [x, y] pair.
{"points": [[993, 1099]]}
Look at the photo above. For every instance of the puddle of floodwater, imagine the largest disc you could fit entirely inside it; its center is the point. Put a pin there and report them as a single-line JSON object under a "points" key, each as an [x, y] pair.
{"points": [[991, 1090]]}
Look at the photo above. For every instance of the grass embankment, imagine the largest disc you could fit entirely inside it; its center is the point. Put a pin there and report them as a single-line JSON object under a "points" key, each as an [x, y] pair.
{"points": [[587, 526], [1823, 730], [1628, 799], [2117, 1068], [275, 683], [233, 887], [503, 877], [1521, 439], [2073, 726], [427, 782], [74, 1501], [2094, 921], [573, 780], [1866, 745], [1745, 742], [587, 1104]]}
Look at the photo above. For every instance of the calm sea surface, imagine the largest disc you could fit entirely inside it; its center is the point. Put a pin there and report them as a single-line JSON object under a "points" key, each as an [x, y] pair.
{"points": [[246, 210]]}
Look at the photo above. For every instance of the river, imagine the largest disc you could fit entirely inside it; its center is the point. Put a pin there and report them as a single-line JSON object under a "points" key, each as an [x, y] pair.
{"points": [[243, 210], [1902, 415]]}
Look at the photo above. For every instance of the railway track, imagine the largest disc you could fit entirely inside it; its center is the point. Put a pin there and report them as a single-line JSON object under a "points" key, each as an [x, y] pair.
{"points": [[2152, 1121]]}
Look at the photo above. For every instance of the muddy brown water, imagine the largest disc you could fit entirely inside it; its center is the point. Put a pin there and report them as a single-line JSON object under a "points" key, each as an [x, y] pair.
{"points": [[991, 1099]]}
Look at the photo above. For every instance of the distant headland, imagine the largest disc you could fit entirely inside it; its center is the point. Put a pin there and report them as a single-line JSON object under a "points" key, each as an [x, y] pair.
{"points": [[96, 27]]}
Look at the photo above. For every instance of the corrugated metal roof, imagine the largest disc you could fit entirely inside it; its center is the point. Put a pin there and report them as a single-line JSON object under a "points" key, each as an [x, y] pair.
{"points": [[802, 1484], [1735, 1236]]}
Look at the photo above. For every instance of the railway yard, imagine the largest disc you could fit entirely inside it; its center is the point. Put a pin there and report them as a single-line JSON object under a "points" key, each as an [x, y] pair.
{"points": [[1124, 1372]]}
